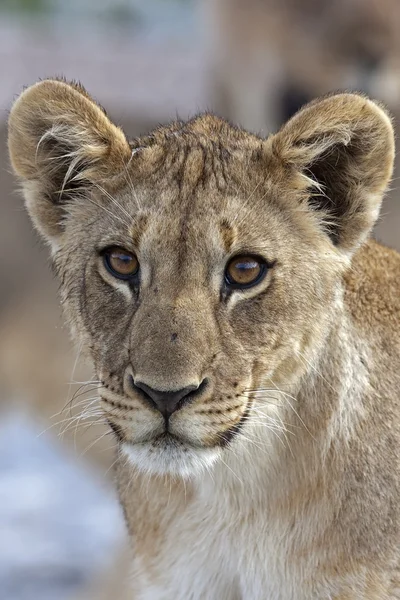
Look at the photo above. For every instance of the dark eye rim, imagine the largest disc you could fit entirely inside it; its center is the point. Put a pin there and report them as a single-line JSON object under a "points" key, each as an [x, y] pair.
{"points": [[264, 267], [105, 254]]}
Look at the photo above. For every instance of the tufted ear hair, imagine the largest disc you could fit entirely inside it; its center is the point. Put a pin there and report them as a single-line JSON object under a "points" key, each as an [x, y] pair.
{"points": [[343, 147], [61, 143]]}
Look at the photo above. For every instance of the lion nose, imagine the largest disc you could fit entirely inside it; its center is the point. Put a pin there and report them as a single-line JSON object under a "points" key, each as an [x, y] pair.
{"points": [[166, 402]]}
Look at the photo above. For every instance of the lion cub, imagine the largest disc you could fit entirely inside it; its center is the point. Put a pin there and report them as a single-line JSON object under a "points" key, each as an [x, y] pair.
{"points": [[246, 334]]}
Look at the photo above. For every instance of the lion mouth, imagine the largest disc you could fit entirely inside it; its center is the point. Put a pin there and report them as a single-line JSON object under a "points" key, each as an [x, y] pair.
{"points": [[167, 437], [164, 437], [167, 440], [117, 430], [170, 452], [162, 440]]}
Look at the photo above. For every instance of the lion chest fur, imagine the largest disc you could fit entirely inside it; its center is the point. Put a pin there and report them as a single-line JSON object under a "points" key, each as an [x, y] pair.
{"points": [[214, 550]]}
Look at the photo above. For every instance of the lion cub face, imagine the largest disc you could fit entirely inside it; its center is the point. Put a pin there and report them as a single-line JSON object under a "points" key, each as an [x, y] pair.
{"points": [[198, 265]]}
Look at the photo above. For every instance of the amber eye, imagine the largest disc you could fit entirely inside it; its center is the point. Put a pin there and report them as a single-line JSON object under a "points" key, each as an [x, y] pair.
{"points": [[121, 263], [245, 271]]}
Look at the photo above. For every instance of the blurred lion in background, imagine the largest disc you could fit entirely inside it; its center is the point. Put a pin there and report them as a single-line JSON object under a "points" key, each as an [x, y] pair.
{"points": [[268, 57]]}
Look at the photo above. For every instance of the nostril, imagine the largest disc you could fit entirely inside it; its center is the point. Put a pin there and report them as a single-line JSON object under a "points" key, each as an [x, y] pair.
{"points": [[146, 390], [200, 389], [167, 402]]}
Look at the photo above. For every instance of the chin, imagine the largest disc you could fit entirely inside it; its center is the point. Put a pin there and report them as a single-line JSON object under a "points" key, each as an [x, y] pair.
{"points": [[169, 456]]}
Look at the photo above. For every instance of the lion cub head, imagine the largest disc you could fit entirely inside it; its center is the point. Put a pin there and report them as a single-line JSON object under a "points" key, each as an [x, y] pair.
{"points": [[201, 264]]}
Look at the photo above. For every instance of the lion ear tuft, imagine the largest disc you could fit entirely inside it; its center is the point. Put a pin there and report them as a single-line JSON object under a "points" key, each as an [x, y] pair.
{"points": [[61, 142], [344, 147]]}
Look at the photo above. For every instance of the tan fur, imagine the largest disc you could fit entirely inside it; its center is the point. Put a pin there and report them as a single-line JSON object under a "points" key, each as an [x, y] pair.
{"points": [[281, 478]]}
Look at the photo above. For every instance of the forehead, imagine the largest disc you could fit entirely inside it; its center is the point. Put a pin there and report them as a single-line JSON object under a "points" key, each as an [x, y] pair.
{"points": [[200, 201], [207, 188]]}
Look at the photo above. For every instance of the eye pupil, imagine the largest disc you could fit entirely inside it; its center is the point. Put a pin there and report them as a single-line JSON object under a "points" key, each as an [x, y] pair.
{"points": [[121, 263], [245, 271]]}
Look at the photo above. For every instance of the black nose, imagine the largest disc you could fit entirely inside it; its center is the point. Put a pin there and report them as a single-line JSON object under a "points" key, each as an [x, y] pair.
{"points": [[166, 402]]}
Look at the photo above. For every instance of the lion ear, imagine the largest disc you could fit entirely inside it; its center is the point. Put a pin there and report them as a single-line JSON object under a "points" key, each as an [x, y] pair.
{"points": [[343, 145], [61, 143]]}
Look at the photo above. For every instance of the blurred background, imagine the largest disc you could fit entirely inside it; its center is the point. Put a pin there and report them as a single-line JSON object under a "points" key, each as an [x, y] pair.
{"points": [[147, 61]]}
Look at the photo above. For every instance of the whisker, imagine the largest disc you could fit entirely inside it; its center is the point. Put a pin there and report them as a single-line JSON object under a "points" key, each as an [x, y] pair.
{"points": [[89, 382], [68, 420], [301, 355], [98, 439], [258, 446], [293, 409], [71, 402], [108, 211], [78, 421], [278, 424], [74, 366], [114, 462], [115, 202], [129, 179], [231, 470], [246, 203], [93, 412]]}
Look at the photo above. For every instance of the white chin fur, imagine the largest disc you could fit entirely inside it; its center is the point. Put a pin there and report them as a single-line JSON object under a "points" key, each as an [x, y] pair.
{"points": [[170, 459]]}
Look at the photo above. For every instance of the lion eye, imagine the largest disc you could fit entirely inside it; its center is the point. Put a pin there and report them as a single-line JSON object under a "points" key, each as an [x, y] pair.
{"points": [[121, 263], [245, 271]]}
